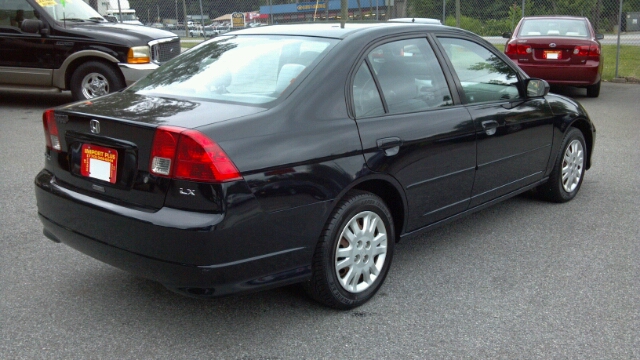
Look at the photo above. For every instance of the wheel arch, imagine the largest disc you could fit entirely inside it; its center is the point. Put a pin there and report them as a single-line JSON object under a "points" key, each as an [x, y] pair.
{"points": [[585, 129], [62, 76], [390, 191]]}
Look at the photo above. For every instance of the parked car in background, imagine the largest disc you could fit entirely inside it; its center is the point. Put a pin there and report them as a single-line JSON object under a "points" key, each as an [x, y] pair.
{"points": [[301, 154], [71, 47], [563, 50], [208, 31], [221, 29]]}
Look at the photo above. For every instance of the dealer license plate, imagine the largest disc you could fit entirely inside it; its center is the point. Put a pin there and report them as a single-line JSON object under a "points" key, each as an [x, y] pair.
{"points": [[552, 55], [99, 162]]}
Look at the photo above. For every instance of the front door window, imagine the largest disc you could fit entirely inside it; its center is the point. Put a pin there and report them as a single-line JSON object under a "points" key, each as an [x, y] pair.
{"points": [[13, 12], [483, 75]]}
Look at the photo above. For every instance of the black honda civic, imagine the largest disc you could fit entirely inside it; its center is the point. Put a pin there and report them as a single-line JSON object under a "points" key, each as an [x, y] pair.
{"points": [[301, 154]]}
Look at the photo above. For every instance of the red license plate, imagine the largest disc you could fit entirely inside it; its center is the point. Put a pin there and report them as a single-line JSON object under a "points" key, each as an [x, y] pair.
{"points": [[552, 55], [99, 162]]}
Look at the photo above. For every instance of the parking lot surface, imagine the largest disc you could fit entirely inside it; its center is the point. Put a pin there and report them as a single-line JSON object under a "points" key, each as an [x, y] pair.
{"points": [[523, 279]]}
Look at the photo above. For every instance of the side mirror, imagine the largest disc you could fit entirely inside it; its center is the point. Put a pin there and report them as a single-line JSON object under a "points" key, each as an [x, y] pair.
{"points": [[599, 36], [32, 26], [507, 35], [537, 88]]}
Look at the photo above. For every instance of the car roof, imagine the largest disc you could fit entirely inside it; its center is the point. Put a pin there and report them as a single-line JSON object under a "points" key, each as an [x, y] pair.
{"points": [[554, 17], [334, 30], [417, 20]]}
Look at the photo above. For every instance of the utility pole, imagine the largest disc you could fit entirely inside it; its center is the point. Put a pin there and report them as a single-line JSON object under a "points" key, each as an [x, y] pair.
{"points": [[119, 11], [186, 27], [204, 33], [444, 11]]}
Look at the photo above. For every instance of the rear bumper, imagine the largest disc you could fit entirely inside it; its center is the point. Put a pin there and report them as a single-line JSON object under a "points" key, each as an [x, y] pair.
{"points": [[215, 280], [574, 75], [199, 257]]}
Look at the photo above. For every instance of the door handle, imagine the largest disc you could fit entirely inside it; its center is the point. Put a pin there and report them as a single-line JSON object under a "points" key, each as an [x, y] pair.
{"points": [[390, 145], [490, 127]]}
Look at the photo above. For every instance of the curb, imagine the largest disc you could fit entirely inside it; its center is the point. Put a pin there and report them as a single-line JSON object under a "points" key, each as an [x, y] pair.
{"points": [[628, 79]]}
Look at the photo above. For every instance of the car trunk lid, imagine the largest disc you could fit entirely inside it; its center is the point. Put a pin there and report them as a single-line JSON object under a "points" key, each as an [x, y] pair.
{"points": [[556, 51], [106, 143]]}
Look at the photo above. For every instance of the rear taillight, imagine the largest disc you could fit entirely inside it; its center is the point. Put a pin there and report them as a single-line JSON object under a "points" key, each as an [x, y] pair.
{"points": [[190, 155], [163, 150], [587, 50], [518, 49], [51, 130]]}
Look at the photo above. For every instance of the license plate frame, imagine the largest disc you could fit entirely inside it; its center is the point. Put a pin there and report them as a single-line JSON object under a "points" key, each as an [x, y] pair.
{"points": [[552, 54], [99, 162]]}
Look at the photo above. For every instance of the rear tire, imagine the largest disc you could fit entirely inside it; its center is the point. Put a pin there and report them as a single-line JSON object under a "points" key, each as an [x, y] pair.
{"points": [[594, 90], [568, 171], [353, 256], [93, 79]]}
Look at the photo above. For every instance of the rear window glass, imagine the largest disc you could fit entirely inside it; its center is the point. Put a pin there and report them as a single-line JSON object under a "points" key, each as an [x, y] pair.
{"points": [[244, 69], [554, 27]]}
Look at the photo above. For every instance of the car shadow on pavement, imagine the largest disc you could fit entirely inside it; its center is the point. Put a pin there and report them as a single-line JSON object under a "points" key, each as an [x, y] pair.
{"points": [[570, 91], [46, 100]]}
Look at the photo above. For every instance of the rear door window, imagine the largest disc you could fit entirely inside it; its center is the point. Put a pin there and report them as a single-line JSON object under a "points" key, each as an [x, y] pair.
{"points": [[408, 76], [365, 94]]}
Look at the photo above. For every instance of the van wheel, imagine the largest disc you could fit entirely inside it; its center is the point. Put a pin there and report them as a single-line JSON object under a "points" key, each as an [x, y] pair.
{"points": [[353, 255], [93, 79]]}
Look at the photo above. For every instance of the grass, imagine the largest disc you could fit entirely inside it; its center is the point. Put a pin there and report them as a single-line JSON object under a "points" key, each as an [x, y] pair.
{"points": [[629, 65], [189, 45]]}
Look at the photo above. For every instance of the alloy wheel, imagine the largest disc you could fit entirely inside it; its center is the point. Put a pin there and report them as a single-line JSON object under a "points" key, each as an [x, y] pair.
{"points": [[572, 166], [361, 252], [94, 85]]}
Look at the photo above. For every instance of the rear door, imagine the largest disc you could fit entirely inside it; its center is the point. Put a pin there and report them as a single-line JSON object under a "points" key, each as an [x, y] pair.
{"points": [[413, 129], [514, 133]]}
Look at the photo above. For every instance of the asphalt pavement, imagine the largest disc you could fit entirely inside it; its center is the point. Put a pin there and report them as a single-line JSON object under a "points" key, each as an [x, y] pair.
{"points": [[524, 279]]}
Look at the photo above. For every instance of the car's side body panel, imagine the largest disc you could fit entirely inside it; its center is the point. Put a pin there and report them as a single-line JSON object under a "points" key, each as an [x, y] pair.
{"points": [[434, 162], [516, 152]]}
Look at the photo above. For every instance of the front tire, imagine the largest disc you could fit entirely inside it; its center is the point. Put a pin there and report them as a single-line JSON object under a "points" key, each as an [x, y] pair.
{"points": [[568, 171], [93, 79], [353, 256]]}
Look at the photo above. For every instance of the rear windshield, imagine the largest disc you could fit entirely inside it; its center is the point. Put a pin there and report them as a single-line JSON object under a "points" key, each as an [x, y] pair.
{"points": [[243, 69], [554, 27]]}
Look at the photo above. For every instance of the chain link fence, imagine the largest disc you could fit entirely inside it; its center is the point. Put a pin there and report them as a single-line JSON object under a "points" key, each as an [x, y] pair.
{"points": [[195, 20]]}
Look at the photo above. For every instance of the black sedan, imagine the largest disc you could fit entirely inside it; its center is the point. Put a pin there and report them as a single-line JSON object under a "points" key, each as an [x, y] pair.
{"points": [[302, 154]]}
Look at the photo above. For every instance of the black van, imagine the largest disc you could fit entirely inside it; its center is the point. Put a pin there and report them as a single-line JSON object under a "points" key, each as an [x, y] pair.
{"points": [[66, 45]]}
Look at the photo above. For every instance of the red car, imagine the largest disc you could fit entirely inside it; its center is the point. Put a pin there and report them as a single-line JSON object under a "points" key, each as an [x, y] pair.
{"points": [[563, 50]]}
